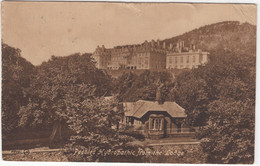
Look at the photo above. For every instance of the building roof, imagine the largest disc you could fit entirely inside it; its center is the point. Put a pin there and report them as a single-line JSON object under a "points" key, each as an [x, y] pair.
{"points": [[141, 107]]}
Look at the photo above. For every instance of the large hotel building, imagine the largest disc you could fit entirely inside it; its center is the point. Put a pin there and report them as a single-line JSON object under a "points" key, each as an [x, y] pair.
{"points": [[150, 55]]}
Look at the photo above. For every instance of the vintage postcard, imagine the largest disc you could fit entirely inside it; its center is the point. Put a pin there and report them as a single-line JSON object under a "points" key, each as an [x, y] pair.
{"points": [[128, 82]]}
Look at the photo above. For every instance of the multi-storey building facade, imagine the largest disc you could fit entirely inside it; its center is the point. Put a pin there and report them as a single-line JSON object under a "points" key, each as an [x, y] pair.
{"points": [[149, 55], [119, 58], [102, 57], [183, 57]]}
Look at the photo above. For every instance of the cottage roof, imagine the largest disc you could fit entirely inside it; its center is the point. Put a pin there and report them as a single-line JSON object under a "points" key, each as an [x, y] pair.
{"points": [[141, 107]]}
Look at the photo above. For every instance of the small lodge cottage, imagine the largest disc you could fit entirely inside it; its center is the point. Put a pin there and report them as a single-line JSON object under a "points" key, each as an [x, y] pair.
{"points": [[155, 120]]}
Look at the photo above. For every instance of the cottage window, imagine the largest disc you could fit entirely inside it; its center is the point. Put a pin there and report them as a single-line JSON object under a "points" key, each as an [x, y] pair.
{"points": [[156, 124]]}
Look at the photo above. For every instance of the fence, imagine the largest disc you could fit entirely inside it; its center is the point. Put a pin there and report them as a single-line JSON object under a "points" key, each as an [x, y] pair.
{"points": [[174, 131]]}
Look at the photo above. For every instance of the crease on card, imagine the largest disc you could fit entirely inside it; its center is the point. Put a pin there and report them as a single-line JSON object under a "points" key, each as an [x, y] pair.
{"points": [[131, 7], [192, 6], [244, 12]]}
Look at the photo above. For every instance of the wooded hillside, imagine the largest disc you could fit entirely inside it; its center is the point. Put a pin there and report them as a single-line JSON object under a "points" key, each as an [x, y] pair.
{"points": [[229, 35]]}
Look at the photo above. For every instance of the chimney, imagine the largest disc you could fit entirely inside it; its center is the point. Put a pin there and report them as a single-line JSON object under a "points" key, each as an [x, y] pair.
{"points": [[146, 43], [193, 47], [158, 42], [152, 42], [158, 94], [164, 45], [180, 45], [171, 46]]}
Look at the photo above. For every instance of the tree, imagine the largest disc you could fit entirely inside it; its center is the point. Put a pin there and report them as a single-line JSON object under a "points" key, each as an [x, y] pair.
{"points": [[95, 138], [16, 75], [220, 97], [229, 135], [72, 90], [56, 84], [133, 87], [226, 75], [191, 93]]}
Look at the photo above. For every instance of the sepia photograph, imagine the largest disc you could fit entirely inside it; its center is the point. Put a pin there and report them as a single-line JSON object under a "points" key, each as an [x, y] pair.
{"points": [[124, 82]]}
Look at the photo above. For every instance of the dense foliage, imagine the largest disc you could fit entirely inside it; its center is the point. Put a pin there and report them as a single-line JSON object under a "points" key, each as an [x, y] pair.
{"points": [[221, 97], [71, 90], [59, 83], [16, 73], [96, 136], [132, 87], [229, 135], [226, 75]]}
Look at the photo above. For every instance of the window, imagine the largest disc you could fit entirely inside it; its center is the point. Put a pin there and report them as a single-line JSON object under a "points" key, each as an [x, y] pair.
{"points": [[170, 60], [156, 124], [139, 61], [188, 59], [201, 57], [181, 59], [146, 61], [194, 58], [176, 59]]}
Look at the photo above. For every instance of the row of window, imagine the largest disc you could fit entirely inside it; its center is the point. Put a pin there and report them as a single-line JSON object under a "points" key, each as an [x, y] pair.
{"points": [[181, 59], [141, 60], [181, 66], [142, 66], [119, 58], [143, 54]]}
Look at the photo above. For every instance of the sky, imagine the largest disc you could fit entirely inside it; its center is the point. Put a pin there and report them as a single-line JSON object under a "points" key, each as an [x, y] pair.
{"points": [[43, 29]]}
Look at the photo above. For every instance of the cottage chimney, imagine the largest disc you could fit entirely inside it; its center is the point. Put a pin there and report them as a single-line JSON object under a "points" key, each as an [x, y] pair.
{"points": [[158, 94], [164, 45]]}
